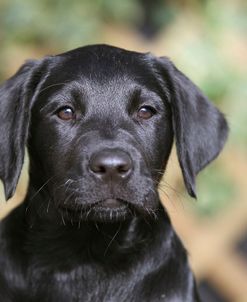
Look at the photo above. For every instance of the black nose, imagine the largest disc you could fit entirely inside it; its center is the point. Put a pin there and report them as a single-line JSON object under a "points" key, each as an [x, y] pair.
{"points": [[111, 164]]}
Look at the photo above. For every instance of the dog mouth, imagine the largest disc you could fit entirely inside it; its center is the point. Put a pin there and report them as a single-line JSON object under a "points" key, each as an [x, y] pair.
{"points": [[111, 203], [110, 209]]}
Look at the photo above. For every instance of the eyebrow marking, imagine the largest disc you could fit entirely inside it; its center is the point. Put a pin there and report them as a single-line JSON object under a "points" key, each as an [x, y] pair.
{"points": [[52, 85]]}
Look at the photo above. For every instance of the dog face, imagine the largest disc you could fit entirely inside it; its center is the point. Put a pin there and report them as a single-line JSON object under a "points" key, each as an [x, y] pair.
{"points": [[94, 131], [99, 123]]}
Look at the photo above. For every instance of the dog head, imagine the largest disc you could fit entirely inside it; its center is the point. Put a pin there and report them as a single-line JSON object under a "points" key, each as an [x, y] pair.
{"points": [[99, 123]]}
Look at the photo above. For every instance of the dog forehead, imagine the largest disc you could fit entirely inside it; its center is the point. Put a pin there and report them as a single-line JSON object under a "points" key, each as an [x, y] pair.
{"points": [[101, 73], [89, 55], [99, 63], [106, 96]]}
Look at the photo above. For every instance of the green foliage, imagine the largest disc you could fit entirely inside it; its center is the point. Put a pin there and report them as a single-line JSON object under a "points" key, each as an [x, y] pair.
{"points": [[61, 23], [207, 67], [216, 191]]}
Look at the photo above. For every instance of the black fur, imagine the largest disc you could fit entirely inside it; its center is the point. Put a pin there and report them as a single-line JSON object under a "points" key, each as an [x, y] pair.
{"points": [[80, 236]]}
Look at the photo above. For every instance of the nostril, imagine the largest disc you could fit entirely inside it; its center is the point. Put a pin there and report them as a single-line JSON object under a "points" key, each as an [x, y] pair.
{"points": [[98, 169], [111, 164], [124, 168]]}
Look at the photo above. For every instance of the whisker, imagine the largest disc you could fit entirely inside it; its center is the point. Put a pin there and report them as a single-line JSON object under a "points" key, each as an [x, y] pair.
{"points": [[88, 212], [37, 192], [115, 235], [48, 205], [63, 219]]}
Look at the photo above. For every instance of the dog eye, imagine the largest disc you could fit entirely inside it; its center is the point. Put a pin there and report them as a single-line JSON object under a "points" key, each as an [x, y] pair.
{"points": [[146, 112], [66, 113]]}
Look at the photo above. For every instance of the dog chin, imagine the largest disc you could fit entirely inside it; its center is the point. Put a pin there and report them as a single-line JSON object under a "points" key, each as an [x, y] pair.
{"points": [[108, 210]]}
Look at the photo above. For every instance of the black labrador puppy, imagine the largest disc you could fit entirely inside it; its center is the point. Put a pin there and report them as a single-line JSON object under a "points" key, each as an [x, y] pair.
{"points": [[99, 123]]}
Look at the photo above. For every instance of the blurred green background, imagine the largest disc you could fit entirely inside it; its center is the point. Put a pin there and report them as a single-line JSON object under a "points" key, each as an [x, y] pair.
{"points": [[206, 39]]}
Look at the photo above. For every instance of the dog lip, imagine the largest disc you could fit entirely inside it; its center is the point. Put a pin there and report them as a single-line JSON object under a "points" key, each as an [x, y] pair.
{"points": [[108, 203], [111, 203], [109, 209]]}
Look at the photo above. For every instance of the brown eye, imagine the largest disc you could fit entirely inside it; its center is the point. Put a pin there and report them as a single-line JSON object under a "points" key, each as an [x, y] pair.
{"points": [[146, 112], [66, 113]]}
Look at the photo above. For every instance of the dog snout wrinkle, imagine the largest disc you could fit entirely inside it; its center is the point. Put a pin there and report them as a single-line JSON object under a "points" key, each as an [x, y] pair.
{"points": [[111, 164]]}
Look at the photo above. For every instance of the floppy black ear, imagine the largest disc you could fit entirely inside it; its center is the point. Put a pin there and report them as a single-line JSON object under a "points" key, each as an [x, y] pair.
{"points": [[15, 101], [200, 129]]}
